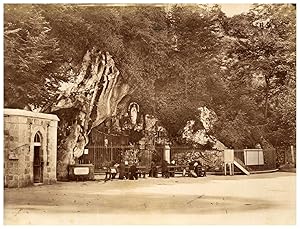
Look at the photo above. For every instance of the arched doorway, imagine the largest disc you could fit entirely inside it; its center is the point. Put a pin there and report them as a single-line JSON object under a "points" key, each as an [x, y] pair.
{"points": [[37, 159]]}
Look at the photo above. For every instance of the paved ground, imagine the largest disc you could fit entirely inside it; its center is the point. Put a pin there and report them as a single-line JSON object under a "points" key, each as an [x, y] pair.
{"points": [[256, 199]]}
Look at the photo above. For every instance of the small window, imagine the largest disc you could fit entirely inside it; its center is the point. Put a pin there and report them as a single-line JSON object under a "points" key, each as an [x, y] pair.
{"points": [[37, 139]]}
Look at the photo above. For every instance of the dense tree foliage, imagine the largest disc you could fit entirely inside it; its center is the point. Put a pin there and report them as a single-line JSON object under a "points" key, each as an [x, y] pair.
{"points": [[32, 57], [176, 58], [260, 73], [192, 77]]}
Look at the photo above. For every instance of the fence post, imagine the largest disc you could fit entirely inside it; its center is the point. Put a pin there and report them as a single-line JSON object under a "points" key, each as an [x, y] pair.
{"points": [[167, 153], [94, 156], [293, 156]]}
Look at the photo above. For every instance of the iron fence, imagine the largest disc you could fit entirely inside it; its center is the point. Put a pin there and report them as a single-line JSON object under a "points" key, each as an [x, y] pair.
{"points": [[213, 160], [101, 156], [284, 156]]}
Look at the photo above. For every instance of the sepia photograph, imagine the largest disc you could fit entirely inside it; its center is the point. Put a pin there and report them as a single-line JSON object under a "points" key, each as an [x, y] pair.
{"points": [[166, 113]]}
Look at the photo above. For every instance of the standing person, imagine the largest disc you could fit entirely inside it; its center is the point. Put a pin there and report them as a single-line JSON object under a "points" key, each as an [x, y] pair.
{"points": [[126, 170], [172, 169], [165, 169], [121, 170], [133, 172], [153, 170]]}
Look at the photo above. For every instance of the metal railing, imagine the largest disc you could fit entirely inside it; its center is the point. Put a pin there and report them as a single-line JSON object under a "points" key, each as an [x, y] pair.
{"points": [[213, 160], [101, 156]]}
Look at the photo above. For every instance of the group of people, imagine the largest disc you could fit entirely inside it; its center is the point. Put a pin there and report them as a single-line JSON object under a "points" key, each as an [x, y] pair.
{"points": [[195, 169], [164, 169], [114, 168]]}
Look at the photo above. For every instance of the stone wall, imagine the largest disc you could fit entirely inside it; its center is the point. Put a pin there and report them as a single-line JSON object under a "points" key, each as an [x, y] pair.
{"points": [[20, 127]]}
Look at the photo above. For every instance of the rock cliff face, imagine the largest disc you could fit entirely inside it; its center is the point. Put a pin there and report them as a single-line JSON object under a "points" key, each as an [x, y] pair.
{"points": [[201, 136], [84, 102]]}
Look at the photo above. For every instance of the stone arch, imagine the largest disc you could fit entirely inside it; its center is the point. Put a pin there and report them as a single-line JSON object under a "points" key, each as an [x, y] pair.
{"points": [[37, 140]]}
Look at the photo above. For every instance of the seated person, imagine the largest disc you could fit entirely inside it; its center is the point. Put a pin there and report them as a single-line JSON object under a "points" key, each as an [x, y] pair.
{"points": [[192, 166], [111, 171], [114, 170], [200, 170], [107, 173], [133, 172]]}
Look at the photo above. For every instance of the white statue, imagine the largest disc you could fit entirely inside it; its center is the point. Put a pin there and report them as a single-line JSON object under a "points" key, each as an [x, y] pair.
{"points": [[133, 111]]}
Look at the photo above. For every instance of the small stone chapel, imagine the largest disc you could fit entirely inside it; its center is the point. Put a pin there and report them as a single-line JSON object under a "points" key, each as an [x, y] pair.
{"points": [[30, 148]]}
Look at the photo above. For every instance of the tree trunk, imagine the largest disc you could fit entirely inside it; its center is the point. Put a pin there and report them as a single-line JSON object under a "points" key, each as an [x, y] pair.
{"points": [[85, 103]]}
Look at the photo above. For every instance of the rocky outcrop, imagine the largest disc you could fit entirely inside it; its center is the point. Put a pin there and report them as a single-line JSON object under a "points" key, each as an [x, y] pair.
{"points": [[194, 136], [211, 159], [90, 97]]}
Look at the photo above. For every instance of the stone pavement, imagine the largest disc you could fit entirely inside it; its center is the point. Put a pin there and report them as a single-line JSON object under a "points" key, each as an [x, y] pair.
{"points": [[255, 199]]}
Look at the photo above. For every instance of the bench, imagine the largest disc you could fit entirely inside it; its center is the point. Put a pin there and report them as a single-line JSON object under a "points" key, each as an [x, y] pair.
{"points": [[141, 171], [181, 169]]}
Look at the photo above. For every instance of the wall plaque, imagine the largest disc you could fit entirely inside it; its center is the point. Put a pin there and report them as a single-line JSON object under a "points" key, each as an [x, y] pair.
{"points": [[12, 155], [81, 170]]}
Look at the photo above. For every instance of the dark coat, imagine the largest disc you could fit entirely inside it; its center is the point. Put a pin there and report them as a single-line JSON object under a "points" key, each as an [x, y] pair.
{"points": [[121, 170], [164, 166], [133, 169]]}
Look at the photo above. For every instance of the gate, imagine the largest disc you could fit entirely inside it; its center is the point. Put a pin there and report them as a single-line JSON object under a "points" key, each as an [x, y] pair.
{"points": [[104, 148], [101, 156]]}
